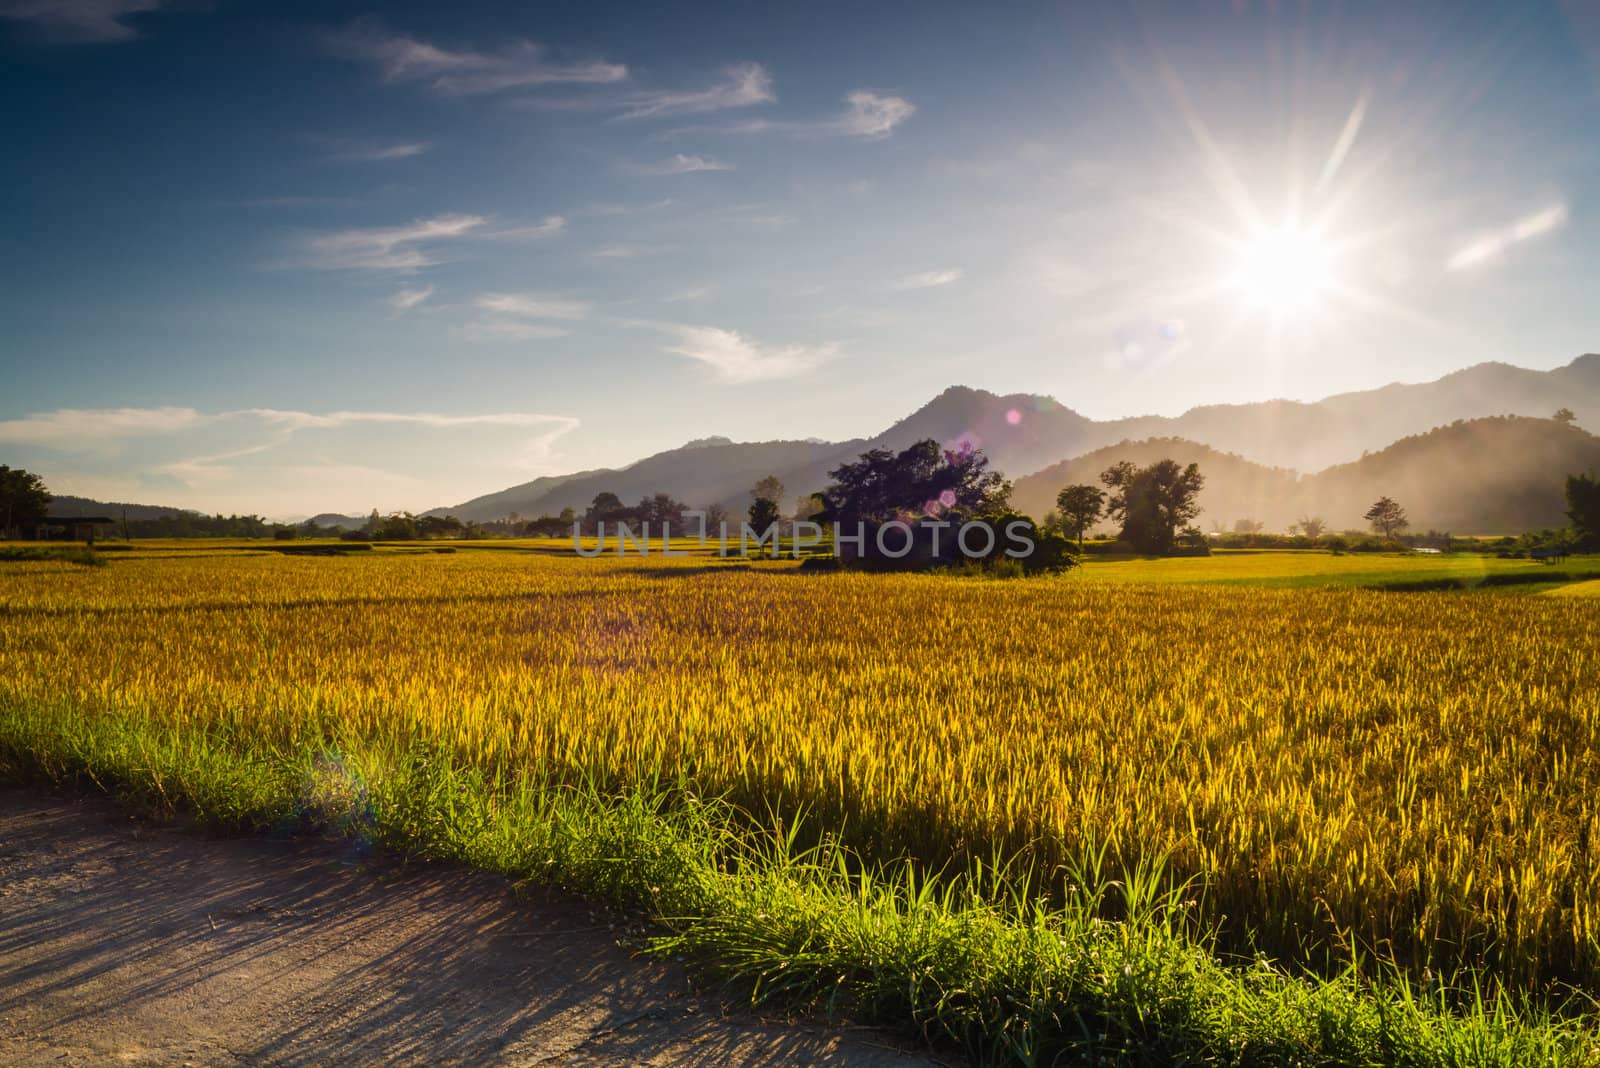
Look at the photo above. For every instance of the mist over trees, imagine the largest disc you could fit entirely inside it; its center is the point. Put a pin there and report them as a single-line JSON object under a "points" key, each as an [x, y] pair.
{"points": [[1387, 517]]}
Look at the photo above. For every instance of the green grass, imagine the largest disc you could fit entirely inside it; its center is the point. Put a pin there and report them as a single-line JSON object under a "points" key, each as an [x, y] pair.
{"points": [[71, 554], [1119, 975]]}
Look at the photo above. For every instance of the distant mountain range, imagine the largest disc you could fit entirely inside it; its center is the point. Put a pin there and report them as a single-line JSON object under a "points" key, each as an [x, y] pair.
{"points": [[1496, 475], [1026, 433], [1433, 446], [67, 506]]}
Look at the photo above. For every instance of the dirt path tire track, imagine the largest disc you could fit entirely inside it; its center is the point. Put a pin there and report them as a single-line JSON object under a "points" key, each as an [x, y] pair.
{"points": [[127, 943]]}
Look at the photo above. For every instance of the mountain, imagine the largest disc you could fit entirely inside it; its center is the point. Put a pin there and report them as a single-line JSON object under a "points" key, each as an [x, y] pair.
{"points": [[1024, 433], [64, 505], [1497, 475], [1311, 436], [708, 471], [1235, 488], [1501, 475], [335, 519]]}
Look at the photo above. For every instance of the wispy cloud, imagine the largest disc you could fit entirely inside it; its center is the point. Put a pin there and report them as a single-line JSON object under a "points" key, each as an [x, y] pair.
{"points": [[736, 359], [549, 226], [402, 58], [408, 248], [1491, 246], [502, 329], [524, 316], [691, 294], [66, 427], [78, 21], [928, 279], [743, 85], [533, 306], [868, 115], [680, 164], [385, 248], [286, 461], [376, 153], [407, 299]]}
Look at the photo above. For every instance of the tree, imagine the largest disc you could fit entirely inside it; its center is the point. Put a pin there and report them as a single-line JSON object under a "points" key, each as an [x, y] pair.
{"points": [[1583, 506], [606, 507], [1311, 526], [1248, 526], [1153, 502], [716, 515], [24, 502], [922, 479], [1080, 506], [1387, 517], [763, 513], [659, 509], [1565, 415]]}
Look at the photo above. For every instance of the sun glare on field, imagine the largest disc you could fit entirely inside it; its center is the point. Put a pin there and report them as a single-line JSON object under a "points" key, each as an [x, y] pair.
{"points": [[1282, 270]]}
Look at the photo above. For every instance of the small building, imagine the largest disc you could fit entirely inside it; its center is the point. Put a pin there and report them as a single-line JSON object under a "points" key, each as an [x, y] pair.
{"points": [[76, 527]]}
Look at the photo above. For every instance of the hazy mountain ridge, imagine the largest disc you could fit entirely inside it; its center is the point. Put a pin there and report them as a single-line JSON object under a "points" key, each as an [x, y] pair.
{"points": [[1024, 433], [63, 504], [1495, 475], [1251, 453]]}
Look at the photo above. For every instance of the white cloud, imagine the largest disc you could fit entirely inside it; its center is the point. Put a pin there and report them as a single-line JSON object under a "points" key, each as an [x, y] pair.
{"points": [[871, 114], [69, 427], [496, 328], [386, 248], [692, 294], [550, 226], [928, 279], [618, 252], [867, 114], [744, 85], [78, 21], [408, 248], [524, 316], [382, 153], [681, 164], [522, 64], [735, 358], [407, 299], [533, 306], [1491, 246]]}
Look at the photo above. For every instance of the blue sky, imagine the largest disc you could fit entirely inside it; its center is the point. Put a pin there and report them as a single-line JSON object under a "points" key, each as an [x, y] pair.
{"points": [[291, 257]]}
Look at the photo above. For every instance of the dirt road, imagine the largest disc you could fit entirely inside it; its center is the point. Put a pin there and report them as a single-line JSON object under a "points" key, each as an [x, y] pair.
{"points": [[125, 943]]}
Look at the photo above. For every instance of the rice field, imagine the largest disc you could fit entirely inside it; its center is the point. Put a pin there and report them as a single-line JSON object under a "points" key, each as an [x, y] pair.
{"points": [[1355, 784]]}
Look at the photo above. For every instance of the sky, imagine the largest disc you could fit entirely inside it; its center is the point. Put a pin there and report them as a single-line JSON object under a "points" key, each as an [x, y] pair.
{"points": [[287, 258]]}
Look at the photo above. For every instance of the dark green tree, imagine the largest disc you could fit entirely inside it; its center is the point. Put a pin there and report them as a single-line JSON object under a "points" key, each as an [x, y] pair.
{"points": [[1154, 502], [24, 501], [1583, 507], [763, 513], [1080, 506], [1565, 415], [884, 485]]}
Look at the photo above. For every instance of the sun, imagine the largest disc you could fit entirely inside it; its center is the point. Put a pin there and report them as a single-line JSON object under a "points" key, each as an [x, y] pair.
{"points": [[1284, 269]]}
